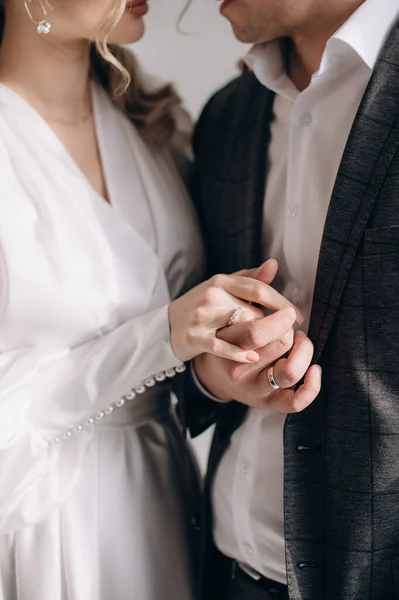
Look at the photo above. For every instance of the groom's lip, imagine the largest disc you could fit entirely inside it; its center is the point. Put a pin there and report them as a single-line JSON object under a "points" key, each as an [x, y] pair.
{"points": [[225, 4]]}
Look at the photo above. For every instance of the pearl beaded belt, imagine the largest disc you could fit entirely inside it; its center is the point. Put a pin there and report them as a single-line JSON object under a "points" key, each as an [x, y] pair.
{"points": [[132, 409]]}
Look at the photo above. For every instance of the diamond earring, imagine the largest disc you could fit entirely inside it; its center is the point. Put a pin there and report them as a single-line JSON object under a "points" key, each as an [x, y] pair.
{"points": [[43, 27]]}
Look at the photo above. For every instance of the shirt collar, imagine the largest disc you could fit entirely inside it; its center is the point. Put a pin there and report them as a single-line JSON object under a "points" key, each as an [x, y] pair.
{"points": [[366, 31], [267, 63], [362, 36]]}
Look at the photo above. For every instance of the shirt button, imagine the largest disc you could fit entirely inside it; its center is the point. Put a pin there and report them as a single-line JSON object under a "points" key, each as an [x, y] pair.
{"points": [[245, 466], [306, 120], [248, 549], [293, 211]]}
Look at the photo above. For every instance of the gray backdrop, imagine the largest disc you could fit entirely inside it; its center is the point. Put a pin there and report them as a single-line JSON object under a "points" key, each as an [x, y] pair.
{"points": [[201, 59]]}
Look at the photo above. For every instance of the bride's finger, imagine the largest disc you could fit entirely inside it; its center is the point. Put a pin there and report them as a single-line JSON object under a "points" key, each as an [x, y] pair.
{"points": [[221, 310], [231, 352], [243, 313]]}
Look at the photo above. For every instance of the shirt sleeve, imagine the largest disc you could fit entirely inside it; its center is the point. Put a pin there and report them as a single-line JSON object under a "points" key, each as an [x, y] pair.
{"points": [[201, 388], [46, 397]]}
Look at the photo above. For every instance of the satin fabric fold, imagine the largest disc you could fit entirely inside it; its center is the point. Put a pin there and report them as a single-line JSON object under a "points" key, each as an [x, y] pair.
{"points": [[84, 291]]}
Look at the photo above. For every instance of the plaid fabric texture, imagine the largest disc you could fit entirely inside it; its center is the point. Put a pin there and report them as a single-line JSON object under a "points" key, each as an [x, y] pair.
{"points": [[342, 491]]}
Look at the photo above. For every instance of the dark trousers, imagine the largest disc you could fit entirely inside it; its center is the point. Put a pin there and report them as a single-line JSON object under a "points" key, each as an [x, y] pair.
{"points": [[230, 582]]}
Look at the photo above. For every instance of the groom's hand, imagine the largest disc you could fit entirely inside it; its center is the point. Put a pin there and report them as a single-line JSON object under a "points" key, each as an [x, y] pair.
{"points": [[249, 384]]}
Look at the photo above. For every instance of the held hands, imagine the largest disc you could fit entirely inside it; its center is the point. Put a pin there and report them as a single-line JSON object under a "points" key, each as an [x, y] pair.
{"points": [[196, 318], [289, 353]]}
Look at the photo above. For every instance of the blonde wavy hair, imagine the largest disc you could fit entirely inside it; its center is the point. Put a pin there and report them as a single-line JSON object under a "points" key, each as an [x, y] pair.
{"points": [[116, 69]]}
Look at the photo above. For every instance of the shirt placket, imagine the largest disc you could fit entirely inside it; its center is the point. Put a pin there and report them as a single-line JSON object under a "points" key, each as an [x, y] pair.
{"points": [[243, 489], [294, 226]]}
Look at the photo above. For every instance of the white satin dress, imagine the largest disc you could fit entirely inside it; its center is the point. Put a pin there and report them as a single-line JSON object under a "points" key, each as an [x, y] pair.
{"points": [[97, 487]]}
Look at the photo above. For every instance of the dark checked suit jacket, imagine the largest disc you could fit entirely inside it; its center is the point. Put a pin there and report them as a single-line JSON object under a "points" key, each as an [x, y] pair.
{"points": [[341, 454]]}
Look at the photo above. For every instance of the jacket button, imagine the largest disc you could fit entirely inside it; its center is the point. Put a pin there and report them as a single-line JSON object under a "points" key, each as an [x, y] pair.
{"points": [[303, 448], [303, 565], [195, 522]]}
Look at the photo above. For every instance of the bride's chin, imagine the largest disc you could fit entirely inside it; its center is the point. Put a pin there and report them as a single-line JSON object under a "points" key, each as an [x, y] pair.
{"points": [[128, 31]]}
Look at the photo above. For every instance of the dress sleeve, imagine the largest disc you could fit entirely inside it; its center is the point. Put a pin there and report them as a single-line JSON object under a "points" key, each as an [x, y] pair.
{"points": [[45, 398]]}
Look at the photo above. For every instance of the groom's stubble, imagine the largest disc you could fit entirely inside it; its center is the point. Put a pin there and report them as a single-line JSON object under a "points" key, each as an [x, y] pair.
{"points": [[259, 21]]}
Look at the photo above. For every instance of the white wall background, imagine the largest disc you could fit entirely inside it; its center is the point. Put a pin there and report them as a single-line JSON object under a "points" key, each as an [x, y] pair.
{"points": [[198, 62]]}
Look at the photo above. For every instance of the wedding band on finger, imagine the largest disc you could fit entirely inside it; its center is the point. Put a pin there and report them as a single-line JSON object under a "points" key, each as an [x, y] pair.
{"points": [[272, 381], [234, 316]]}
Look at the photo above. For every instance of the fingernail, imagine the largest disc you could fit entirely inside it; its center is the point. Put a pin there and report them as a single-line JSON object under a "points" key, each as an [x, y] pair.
{"points": [[293, 313], [252, 357], [318, 371], [299, 317]]}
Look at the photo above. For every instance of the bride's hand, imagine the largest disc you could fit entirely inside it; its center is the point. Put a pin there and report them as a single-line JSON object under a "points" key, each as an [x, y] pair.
{"points": [[196, 317]]}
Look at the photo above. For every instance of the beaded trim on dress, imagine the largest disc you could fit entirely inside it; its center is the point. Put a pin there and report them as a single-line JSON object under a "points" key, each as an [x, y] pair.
{"points": [[148, 383]]}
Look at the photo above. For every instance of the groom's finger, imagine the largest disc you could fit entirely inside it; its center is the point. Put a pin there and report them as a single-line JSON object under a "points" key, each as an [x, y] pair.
{"points": [[261, 332], [266, 272], [290, 401], [289, 371]]}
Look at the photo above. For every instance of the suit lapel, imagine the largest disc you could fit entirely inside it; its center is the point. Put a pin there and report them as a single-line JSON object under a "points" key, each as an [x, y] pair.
{"points": [[246, 194], [250, 150], [233, 162], [371, 146]]}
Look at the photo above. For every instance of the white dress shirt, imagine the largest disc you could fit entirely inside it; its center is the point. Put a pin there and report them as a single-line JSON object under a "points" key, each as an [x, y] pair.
{"points": [[308, 137]]}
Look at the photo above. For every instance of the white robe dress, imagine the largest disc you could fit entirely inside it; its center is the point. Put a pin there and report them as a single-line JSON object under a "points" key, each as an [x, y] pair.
{"points": [[97, 487]]}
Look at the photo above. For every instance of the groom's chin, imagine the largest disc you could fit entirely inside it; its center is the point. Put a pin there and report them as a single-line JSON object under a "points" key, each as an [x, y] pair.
{"points": [[248, 34], [244, 35], [244, 29]]}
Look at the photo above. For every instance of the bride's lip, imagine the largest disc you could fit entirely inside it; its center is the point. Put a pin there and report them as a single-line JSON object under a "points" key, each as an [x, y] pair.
{"points": [[137, 8]]}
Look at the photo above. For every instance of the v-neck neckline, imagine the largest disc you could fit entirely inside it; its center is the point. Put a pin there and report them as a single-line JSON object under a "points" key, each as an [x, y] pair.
{"points": [[117, 143], [48, 133]]}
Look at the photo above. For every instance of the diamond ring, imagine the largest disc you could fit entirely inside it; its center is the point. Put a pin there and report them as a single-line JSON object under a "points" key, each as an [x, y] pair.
{"points": [[234, 316]]}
